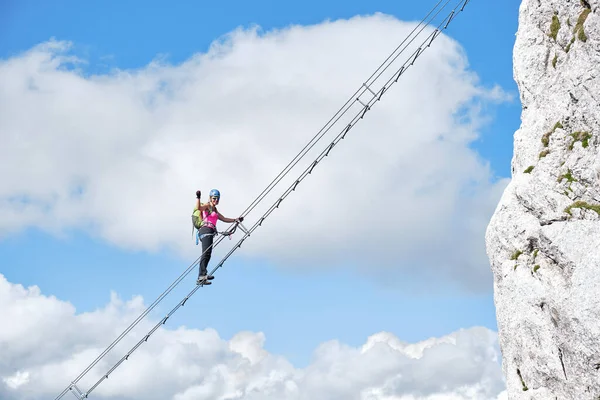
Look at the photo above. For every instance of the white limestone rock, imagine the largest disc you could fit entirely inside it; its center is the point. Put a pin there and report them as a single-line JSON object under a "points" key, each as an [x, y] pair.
{"points": [[545, 260]]}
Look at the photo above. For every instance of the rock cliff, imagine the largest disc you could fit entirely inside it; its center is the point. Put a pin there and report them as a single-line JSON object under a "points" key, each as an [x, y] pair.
{"points": [[544, 238]]}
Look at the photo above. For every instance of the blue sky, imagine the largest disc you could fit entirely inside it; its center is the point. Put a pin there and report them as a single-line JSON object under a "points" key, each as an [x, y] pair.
{"points": [[296, 311]]}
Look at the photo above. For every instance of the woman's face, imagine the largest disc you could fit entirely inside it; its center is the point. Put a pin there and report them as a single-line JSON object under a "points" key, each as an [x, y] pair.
{"points": [[214, 201]]}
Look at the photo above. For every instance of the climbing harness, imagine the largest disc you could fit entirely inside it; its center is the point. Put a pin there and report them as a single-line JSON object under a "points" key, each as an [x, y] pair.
{"points": [[365, 89], [226, 233]]}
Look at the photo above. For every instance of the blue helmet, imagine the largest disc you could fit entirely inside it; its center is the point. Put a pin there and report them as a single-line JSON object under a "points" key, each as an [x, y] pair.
{"points": [[215, 193]]}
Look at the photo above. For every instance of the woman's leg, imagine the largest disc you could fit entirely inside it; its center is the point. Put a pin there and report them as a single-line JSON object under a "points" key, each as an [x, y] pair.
{"points": [[207, 241]]}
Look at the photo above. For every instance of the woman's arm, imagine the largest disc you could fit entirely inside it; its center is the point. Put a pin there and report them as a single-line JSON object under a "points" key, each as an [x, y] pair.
{"points": [[225, 219], [203, 207]]}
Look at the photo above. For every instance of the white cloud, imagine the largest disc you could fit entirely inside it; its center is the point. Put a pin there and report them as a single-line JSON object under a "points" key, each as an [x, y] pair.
{"points": [[47, 344], [122, 154]]}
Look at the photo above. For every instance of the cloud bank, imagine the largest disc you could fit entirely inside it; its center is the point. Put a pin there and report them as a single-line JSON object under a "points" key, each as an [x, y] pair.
{"points": [[120, 155], [45, 344]]}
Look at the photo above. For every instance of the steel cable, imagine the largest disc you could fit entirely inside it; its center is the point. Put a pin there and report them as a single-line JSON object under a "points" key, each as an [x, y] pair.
{"points": [[376, 96]]}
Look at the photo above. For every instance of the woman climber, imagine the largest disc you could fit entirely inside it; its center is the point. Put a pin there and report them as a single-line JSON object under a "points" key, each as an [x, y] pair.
{"points": [[208, 230]]}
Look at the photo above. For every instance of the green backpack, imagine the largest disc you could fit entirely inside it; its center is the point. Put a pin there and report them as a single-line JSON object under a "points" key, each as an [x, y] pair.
{"points": [[197, 220]]}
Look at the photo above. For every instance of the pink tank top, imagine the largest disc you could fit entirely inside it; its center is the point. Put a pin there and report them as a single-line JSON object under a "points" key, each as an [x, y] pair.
{"points": [[211, 218]]}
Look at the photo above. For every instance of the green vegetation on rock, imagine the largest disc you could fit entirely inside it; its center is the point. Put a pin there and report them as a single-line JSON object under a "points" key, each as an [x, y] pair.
{"points": [[570, 44], [525, 388], [546, 136], [578, 30], [582, 137], [554, 27], [568, 176], [583, 204], [516, 254]]}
